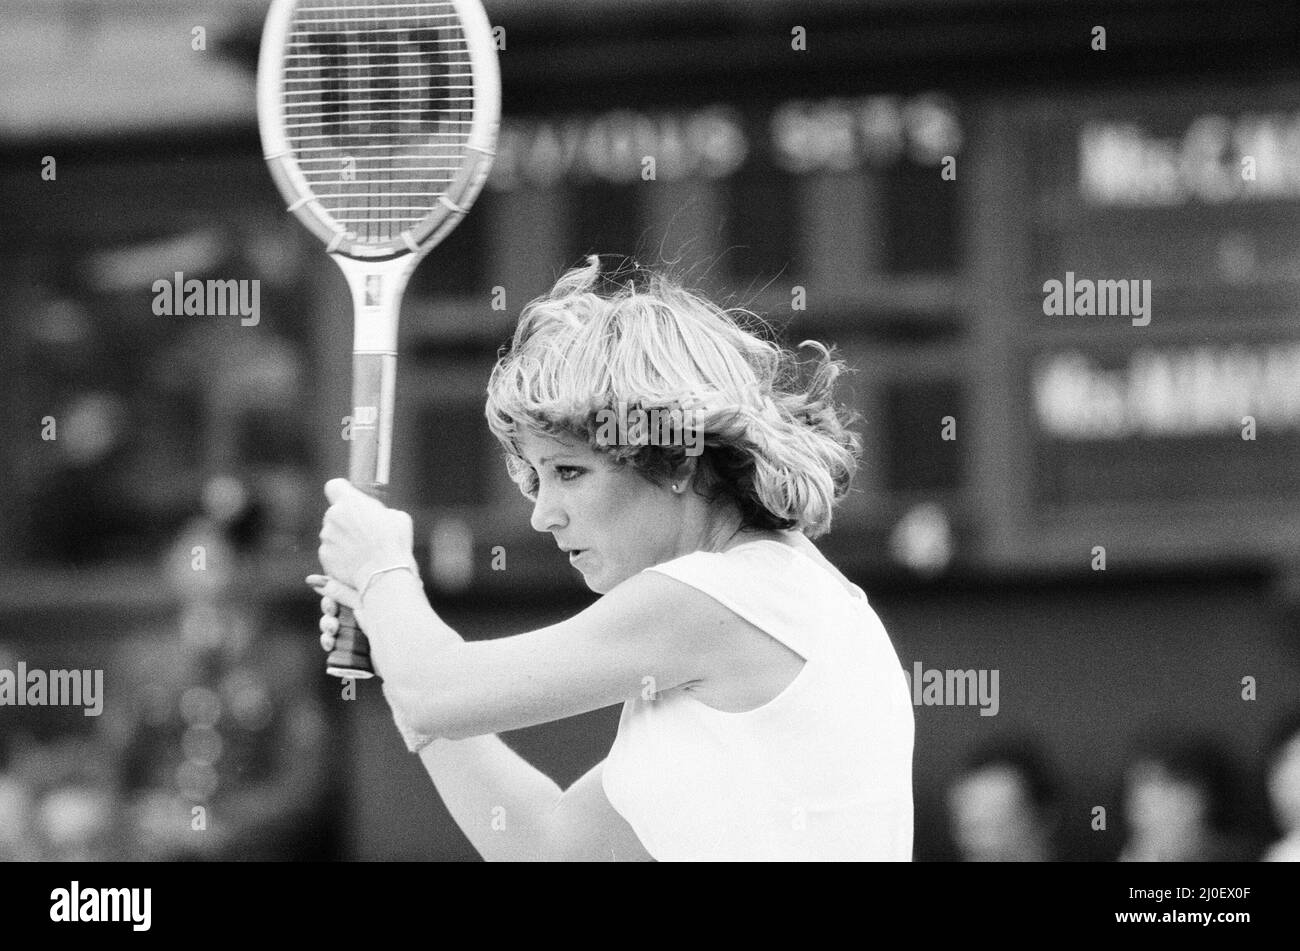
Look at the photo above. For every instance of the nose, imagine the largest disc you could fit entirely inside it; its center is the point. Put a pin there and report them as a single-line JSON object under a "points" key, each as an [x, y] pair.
{"points": [[548, 514]]}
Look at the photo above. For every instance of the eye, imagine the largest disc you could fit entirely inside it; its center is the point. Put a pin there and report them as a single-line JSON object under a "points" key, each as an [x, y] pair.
{"points": [[531, 482]]}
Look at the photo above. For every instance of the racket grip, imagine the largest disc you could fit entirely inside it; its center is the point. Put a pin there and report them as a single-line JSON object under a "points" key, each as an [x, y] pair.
{"points": [[350, 657]]}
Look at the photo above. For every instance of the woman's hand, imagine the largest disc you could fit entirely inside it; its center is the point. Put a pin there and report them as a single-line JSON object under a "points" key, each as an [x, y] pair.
{"points": [[360, 535], [332, 595], [405, 703]]}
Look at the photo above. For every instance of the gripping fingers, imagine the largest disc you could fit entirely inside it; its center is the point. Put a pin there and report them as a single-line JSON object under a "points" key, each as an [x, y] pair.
{"points": [[329, 629]]}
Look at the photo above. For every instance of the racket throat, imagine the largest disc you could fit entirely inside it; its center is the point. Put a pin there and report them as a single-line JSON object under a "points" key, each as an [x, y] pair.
{"points": [[377, 288]]}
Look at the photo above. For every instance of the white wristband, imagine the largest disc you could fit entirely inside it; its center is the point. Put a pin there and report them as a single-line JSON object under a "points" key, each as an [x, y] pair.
{"points": [[379, 571]]}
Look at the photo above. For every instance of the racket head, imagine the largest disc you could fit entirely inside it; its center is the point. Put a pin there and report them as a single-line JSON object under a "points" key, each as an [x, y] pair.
{"points": [[378, 118]]}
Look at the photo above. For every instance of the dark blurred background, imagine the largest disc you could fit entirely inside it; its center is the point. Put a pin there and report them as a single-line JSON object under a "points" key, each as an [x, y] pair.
{"points": [[160, 526]]}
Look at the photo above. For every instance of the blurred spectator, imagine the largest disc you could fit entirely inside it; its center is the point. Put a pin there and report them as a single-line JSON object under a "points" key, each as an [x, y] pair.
{"points": [[1005, 804], [1282, 773], [1178, 799], [220, 735], [79, 813], [58, 802], [16, 808]]}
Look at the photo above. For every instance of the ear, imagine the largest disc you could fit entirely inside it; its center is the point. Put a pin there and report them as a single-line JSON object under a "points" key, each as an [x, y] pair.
{"points": [[686, 472]]}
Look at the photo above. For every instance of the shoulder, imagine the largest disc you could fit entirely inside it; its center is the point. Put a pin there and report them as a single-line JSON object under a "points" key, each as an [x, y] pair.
{"points": [[670, 596], [723, 582], [699, 605], [685, 614]]}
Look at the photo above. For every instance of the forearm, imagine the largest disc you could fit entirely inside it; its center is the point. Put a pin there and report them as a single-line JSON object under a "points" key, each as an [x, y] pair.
{"points": [[437, 685], [406, 637], [501, 802]]}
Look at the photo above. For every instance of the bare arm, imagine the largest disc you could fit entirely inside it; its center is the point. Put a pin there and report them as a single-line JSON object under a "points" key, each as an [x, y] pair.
{"points": [[501, 802], [454, 692], [650, 634], [511, 812], [462, 693], [586, 828]]}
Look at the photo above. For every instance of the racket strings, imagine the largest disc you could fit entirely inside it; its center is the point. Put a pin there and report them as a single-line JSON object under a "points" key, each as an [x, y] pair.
{"points": [[378, 106]]}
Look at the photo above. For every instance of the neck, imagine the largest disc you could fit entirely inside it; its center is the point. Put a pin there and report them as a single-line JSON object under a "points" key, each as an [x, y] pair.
{"points": [[718, 536], [732, 534]]}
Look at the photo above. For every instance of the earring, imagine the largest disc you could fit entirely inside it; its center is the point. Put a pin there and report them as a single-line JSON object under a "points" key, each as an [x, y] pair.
{"points": [[675, 489]]}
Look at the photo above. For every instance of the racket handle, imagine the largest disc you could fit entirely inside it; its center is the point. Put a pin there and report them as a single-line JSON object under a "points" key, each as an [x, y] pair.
{"points": [[350, 657]]}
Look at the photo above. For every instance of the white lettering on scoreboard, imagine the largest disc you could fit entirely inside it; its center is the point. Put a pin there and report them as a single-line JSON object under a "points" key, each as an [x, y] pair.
{"points": [[1194, 391], [1216, 159], [844, 134], [702, 143], [713, 142]]}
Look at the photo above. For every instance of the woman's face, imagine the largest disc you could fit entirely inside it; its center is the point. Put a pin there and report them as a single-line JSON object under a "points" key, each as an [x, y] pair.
{"points": [[617, 519]]}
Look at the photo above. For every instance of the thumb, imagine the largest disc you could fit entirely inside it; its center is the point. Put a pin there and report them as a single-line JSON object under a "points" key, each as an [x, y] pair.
{"points": [[330, 588], [338, 489]]}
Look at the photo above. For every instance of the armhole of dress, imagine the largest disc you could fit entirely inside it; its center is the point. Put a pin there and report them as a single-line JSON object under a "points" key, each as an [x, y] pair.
{"points": [[732, 604]]}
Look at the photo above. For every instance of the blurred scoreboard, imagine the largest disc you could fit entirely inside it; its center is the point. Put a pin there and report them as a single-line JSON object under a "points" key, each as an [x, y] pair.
{"points": [[1168, 431], [1167, 439]]}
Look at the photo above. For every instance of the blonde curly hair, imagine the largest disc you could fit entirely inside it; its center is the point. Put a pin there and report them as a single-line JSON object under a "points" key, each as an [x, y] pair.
{"points": [[782, 452]]}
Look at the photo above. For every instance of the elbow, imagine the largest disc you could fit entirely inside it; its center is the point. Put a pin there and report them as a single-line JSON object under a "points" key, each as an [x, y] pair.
{"points": [[422, 708], [445, 715], [437, 720], [440, 707], [419, 717], [451, 732], [453, 728]]}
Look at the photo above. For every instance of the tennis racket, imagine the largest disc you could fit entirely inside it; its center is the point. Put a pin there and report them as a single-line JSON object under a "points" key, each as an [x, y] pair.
{"points": [[379, 122]]}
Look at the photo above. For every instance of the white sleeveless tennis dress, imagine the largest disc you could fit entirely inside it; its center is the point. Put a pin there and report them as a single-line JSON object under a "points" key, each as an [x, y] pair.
{"points": [[823, 772]]}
